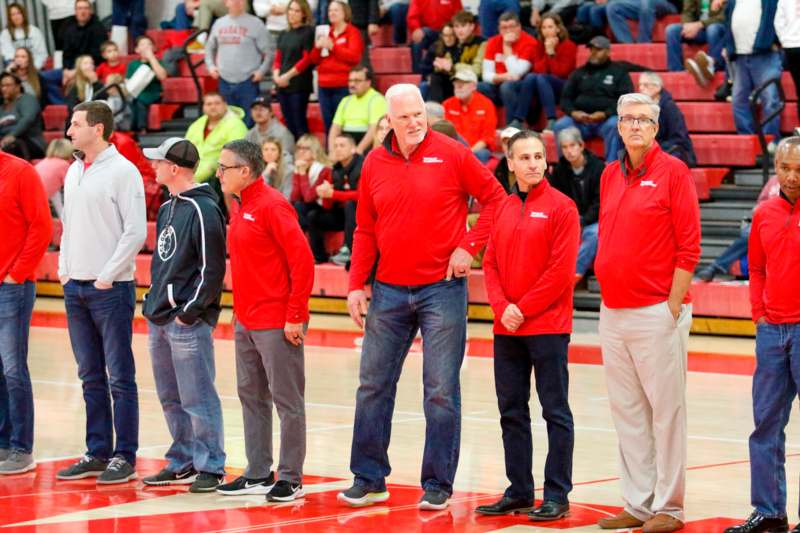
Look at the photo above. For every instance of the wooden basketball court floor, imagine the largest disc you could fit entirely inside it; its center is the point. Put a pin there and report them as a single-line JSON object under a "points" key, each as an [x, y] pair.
{"points": [[720, 421]]}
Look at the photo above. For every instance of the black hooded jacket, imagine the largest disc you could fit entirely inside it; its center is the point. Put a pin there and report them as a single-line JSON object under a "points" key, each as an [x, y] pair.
{"points": [[673, 135], [188, 265], [584, 189], [80, 40]]}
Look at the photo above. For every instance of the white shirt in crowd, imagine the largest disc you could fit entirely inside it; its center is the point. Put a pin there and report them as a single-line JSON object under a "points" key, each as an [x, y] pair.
{"points": [[744, 24], [787, 23], [34, 42]]}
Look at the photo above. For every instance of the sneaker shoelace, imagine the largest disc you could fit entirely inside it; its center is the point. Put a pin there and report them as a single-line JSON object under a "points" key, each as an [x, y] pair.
{"points": [[116, 463], [14, 456], [86, 459]]}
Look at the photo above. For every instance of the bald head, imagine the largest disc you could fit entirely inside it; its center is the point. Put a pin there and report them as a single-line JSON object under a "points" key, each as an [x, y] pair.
{"points": [[787, 167]]}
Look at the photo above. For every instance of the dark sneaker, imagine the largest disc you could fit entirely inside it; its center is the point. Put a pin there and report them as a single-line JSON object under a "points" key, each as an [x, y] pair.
{"points": [[167, 477], [206, 482], [724, 92], [549, 510], [4, 453], [87, 466], [118, 471], [242, 485], [284, 491], [359, 496], [17, 462], [707, 273], [434, 500], [758, 523]]}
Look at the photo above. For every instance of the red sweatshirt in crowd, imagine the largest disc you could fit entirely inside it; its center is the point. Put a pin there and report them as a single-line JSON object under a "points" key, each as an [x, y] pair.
{"points": [[561, 64], [431, 13], [27, 226], [475, 121], [334, 69], [774, 260], [271, 261], [649, 226], [530, 260], [412, 212]]}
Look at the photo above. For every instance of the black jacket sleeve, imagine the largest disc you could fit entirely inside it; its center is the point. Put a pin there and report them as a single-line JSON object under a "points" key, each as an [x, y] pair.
{"points": [[569, 93], [209, 241], [624, 85], [594, 170], [374, 15], [673, 136]]}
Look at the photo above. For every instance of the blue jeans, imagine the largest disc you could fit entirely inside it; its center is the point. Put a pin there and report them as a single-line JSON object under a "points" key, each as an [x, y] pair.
{"points": [[483, 155], [129, 13], [397, 17], [100, 331], [439, 311], [183, 368], [714, 35], [736, 250], [514, 358], [750, 71], [489, 13], [16, 394], [588, 249], [591, 14], [181, 21], [294, 107], [619, 12], [417, 49], [241, 95], [545, 88], [329, 98], [607, 130], [776, 382], [509, 94]]}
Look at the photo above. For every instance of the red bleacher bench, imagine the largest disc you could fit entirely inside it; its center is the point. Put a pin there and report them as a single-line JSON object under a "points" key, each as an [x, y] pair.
{"points": [[179, 91], [159, 113], [50, 136], [313, 116], [184, 70], [55, 117], [649, 55], [390, 60], [659, 28], [384, 81], [718, 117]]}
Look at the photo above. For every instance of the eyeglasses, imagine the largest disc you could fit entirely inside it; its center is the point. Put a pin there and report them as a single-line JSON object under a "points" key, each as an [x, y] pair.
{"points": [[639, 121], [222, 168]]}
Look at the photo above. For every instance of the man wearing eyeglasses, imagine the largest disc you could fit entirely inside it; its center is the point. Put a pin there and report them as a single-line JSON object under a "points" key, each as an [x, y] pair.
{"points": [[649, 244], [358, 114]]}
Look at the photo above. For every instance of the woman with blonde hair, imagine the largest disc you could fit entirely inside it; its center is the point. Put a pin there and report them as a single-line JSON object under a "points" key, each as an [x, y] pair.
{"points": [[311, 168], [279, 170], [24, 68], [85, 85]]}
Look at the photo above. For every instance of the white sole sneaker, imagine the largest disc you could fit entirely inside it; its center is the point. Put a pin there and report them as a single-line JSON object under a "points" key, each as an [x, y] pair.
{"points": [[131, 477], [428, 506], [188, 480], [27, 468], [368, 499], [258, 488], [96, 473]]}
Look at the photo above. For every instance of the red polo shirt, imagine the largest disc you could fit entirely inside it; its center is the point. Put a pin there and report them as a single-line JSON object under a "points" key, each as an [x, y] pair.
{"points": [[649, 226], [475, 121]]}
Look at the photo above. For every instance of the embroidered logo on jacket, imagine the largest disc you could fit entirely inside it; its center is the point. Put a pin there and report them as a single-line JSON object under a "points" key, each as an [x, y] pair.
{"points": [[647, 183], [167, 243], [538, 214], [431, 160], [248, 216]]}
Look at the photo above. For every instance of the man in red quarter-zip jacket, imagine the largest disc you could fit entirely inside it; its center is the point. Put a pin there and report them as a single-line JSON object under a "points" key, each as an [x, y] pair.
{"points": [[774, 257], [273, 272], [649, 245], [529, 267], [412, 212]]}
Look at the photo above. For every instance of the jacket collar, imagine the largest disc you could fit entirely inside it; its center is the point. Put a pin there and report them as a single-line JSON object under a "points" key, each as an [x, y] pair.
{"points": [[252, 191], [390, 143], [109, 152], [534, 193], [636, 173]]}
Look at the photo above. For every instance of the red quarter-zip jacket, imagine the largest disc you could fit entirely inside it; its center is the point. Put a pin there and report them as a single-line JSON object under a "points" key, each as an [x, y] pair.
{"points": [[24, 218], [774, 259], [271, 261], [530, 260], [333, 69], [649, 225], [412, 213]]}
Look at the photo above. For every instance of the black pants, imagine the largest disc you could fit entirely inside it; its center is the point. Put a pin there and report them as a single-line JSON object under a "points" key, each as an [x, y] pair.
{"points": [[24, 149], [55, 26], [514, 357], [317, 221], [793, 66], [440, 87]]}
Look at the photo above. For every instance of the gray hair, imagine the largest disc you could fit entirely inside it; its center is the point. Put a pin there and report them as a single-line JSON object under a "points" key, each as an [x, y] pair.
{"points": [[652, 77], [571, 134], [399, 89], [248, 154], [523, 135], [638, 99], [434, 110]]}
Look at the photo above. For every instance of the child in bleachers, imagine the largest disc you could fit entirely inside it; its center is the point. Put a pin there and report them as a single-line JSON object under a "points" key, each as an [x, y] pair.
{"points": [[143, 93], [53, 169], [112, 64]]}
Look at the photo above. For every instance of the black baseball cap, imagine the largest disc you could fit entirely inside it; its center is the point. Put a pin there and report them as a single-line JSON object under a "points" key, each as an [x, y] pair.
{"points": [[265, 101], [176, 150]]}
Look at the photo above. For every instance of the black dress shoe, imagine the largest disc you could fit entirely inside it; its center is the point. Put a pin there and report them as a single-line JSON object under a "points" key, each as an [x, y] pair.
{"points": [[758, 523], [505, 505], [549, 510]]}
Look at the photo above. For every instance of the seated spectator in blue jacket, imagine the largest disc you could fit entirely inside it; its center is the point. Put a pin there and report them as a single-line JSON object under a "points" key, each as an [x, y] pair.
{"points": [[184, 16], [673, 135], [755, 60]]}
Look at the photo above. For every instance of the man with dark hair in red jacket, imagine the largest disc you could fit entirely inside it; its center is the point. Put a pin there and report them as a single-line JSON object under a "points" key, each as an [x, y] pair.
{"points": [[774, 258], [27, 229], [529, 267], [273, 272], [649, 245], [411, 218]]}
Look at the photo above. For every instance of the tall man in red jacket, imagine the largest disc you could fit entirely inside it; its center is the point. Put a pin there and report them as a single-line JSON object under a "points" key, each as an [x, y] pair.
{"points": [[273, 272], [411, 217], [27, 228], [529, 268], [774, 258], [649, 245]]}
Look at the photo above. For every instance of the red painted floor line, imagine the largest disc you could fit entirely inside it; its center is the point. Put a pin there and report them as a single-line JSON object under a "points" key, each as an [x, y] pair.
{"points": [[705, 362]]}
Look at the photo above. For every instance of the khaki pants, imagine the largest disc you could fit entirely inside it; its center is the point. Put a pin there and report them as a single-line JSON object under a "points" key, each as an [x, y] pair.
{"points": [[644, 354]]}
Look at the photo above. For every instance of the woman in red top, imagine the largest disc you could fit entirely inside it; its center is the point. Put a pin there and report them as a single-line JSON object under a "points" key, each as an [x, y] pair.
{"points": [[335, 55], [553, 62]]}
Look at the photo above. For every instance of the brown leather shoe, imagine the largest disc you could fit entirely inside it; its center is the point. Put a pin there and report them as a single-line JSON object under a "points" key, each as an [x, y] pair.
{"points": [[701, 67], [623, 520], [662, 523]]}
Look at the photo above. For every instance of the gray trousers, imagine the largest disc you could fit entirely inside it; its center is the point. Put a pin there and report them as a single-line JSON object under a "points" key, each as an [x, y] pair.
{"points": [[271, 370]]}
